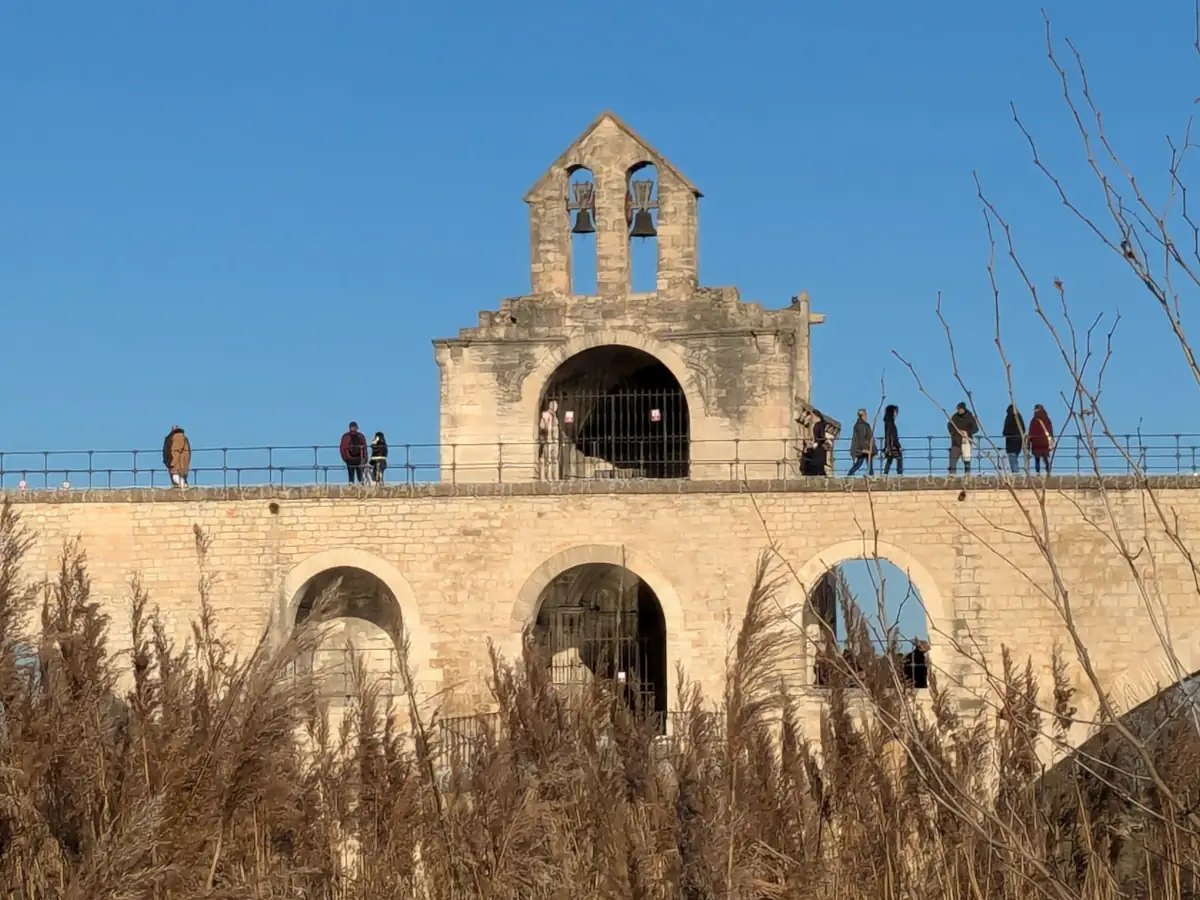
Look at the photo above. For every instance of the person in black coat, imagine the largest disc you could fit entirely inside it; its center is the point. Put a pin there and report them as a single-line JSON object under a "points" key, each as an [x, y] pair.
{"points": [[1014, 438], [892, 451]]}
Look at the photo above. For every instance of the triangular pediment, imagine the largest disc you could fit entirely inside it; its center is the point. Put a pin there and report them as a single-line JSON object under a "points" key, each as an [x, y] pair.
{"points": [[652, 155]]}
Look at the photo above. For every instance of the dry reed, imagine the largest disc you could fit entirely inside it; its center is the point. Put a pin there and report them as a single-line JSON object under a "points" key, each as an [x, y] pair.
{"points": [[218, 777]]}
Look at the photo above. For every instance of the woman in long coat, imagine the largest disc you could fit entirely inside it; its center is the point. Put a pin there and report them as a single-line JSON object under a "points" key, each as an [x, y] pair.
{"points": [[1014, 438], [1041, 438], [180, 454], [892, 451]]}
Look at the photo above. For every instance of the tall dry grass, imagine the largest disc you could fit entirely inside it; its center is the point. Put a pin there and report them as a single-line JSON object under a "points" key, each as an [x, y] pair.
{"points": [[221, 777]]}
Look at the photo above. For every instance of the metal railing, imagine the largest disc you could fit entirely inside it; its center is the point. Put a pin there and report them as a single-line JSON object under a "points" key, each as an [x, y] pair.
{"points": [[459, 738], [710, 460], [908, 655]]}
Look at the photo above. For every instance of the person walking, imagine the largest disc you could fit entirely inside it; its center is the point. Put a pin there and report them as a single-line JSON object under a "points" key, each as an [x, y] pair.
{"points": [[1041, 438], [354, 453], [1014, 438], [177, 456], [379, 453], [892, 451], [862, 445], [962, 427]]}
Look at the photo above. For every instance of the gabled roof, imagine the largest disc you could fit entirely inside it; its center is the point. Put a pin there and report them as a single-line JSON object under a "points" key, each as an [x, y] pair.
{"points": [[652, 155]]}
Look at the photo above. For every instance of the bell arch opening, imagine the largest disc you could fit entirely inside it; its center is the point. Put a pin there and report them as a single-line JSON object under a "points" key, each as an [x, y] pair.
{"points": [[613, 412], [641, 223], [600, 620], [867, 606], [360, 617], [581, 211]]}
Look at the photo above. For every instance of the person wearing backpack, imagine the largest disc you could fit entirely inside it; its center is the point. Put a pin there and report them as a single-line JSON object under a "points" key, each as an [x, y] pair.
{"points": [[354, 453], [378, 457]]}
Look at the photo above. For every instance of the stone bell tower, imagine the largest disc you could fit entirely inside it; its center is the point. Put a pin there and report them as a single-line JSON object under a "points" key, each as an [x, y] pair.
{"points": [[680, 382], [614, 156]]}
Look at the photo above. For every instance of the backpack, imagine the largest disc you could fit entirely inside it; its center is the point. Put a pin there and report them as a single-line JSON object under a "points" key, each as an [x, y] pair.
{"points": [[358, 444]]}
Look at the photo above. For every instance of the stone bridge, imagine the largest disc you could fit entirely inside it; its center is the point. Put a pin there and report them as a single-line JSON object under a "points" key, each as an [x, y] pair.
{"points": [[465, 564]]}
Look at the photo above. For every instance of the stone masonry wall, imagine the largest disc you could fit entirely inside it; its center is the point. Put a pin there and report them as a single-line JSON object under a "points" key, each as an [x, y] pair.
{"points": [[467, 565]]}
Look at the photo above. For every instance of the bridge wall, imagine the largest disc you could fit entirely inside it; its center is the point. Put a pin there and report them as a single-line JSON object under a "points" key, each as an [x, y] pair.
{"points": [[467, 565]]}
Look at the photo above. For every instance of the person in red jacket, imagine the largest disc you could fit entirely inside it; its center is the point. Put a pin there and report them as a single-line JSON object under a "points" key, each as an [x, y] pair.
{"points": [[354, 453], [1041, 438]]}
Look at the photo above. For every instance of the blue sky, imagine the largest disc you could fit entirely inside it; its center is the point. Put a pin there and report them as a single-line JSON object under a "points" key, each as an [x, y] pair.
{"points": [[252, 218]]}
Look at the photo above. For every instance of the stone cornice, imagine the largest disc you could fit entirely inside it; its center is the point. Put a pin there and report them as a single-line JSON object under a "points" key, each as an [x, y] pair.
{"points": [[444, 490]]}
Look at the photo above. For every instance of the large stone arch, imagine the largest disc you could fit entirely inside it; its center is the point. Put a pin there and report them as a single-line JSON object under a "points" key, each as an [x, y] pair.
{"points": [[937, 609], [419, 646], [1153, 674], [536, 380], [525, 606]]}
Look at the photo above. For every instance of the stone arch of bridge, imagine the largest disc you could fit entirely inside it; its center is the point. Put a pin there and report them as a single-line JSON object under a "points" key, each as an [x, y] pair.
{"points": [[1140, 683], [935, 604], [525, 606], [536, 381], [291, 595]]}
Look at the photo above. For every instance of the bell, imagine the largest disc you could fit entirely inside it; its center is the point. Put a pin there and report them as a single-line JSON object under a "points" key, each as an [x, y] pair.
{"points": [[583, 223], [643, 225]]}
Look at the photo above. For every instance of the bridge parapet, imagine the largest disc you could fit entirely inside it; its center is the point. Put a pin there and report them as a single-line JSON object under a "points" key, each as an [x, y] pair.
{"points": [[1023, 485]]}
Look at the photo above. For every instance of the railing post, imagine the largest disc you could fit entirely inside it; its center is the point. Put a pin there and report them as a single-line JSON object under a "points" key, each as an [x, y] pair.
{"points": [[317, 465], [1178, 455], [500, 462], [409, 475], [135, 469], [271, 466], [91, 460], [453, 463], [46, 468], [737, 459]]}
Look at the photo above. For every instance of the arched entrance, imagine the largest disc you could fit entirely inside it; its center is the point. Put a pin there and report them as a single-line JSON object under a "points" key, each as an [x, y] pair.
{"points": [[867, 607], [361, 618], [600, 620], [613, 411]]}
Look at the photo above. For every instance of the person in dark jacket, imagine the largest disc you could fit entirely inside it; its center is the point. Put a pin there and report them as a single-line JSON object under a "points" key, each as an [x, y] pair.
{"points": [[962, 427], [378, 457], [915, 665], [1041, 438], [862, 445], [1014, 438], [814, 458], [354, 453], [892, 451]]}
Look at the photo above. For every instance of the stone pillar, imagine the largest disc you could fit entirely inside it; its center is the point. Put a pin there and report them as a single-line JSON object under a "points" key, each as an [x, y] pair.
{"points": [[678, 238], [550, 237]]}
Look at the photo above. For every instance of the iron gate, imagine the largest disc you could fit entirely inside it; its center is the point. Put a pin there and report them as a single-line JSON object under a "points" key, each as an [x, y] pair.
{"points": [[621, 433], [586, 644]]}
